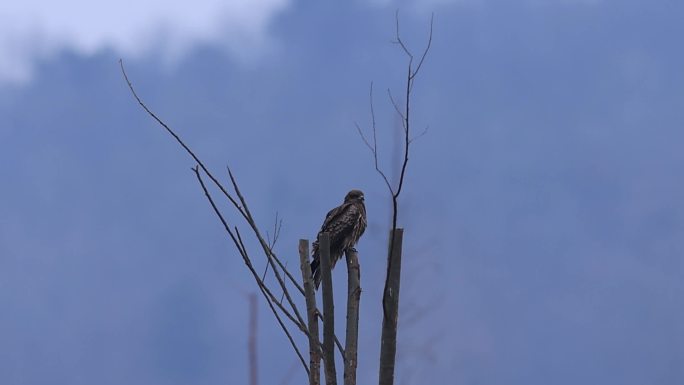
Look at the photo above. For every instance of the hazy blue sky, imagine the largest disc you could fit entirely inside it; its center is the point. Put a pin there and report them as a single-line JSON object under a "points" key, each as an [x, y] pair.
{"points": [[543, 210]]}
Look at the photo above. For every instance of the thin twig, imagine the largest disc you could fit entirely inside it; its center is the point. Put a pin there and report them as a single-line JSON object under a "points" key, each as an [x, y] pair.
{"points": [[425, 131], [363, 137], [374, 147], [263, 276], [398, 38], [396, 108], [427, 48], [277, 225], [280, 321], [283, 294], [271, 256]]}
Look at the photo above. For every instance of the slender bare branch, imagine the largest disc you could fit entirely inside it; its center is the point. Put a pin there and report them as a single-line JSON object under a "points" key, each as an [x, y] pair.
{"points": [[425, 51], [245, 257], [237, 240], [277, 225], [406, 145], [265, 288], [280, 322], [178, 139], [398, 38], [276, 230], [373, 123], [263, 276], [374, 147], [271, 256], [243, 211], [363, 137], [396, 108], [425, 131], [282, 296]]}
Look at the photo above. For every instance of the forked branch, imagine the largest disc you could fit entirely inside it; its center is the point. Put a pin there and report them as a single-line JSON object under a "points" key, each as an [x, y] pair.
{"points": [[390, 300], [403, 113]]}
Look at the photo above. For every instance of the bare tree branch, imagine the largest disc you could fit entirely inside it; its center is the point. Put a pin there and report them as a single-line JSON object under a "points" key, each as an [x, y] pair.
{"points": [[374, 147], [427, 48], [396, 109], [263, 276], [411, 74], [425, 131], [271, 257], [237, 240], [280, 321], [398, 38], [179, 140], [277, 225], [363, 137]]}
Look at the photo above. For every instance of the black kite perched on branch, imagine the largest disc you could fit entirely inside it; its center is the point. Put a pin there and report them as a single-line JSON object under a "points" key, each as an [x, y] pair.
{"points": [[345, 224]]}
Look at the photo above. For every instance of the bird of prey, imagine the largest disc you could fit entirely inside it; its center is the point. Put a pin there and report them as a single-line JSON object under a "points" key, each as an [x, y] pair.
{"points": [[345, 224]]}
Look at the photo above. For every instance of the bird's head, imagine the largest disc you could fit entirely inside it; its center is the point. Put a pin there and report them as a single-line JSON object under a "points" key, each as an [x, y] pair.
{"points": [[354, 195]]}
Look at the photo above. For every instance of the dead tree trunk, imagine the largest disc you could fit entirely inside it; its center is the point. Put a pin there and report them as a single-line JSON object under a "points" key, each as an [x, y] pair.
{"points": [[353, 299], [311, 313], [328, 310], [390, 302]]}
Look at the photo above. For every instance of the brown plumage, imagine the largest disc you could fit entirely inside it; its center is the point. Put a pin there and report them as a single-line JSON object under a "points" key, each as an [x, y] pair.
{"points": [[345, 224]]}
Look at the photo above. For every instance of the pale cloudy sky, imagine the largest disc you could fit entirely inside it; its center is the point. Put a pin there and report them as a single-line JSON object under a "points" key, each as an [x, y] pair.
{"points": [[33, 29]]}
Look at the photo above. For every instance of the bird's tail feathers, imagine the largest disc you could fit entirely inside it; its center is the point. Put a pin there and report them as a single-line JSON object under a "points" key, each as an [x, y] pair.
{"points": [[316, 268], [316, 272]]}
